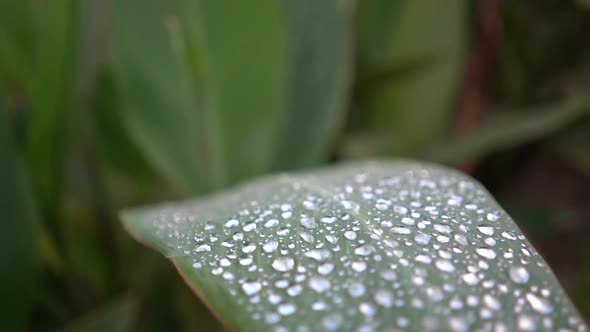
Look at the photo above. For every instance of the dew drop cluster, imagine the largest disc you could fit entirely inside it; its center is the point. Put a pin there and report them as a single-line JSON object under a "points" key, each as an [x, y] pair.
{"points": [[401, 248]]}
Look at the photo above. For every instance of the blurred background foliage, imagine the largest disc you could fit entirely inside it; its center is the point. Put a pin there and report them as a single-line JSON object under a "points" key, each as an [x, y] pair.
{"points": [[112, 103]]}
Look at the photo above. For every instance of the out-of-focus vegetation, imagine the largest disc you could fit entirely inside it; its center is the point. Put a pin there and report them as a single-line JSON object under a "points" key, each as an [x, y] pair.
{"points": [[106, 104]]}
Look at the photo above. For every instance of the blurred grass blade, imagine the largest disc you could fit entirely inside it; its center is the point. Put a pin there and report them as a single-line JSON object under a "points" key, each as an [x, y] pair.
{"points": [[509, 130], [157, 94], [319, 77], [361, 246], [16, 43], [117, 316], [245, 69], [412, 80], [17, 254], [114, 141], [53, 95]]}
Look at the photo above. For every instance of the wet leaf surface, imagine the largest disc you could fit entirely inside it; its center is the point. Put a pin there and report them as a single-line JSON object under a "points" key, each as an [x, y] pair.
{"points": [[361, 246]]}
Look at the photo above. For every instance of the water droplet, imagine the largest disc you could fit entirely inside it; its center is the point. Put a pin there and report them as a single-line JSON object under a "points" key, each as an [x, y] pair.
{"points": [[519, 274], [356, 289], [307, 237], [445, 265], [367, 309], [328, 220], [408, 221], [232, 223], [325, 269], [486, 230], [446, 229], [359, 266], [423, 259], [251, 287], [492, 216], [492, 302], [270, 246], [526, 323], [249, 248], [382, 204], [384, 297], [317, 254], [271, 223], [332, 322], [364, 250], [283, 231], [422, 239], [283, 264], [351, 235], [538, 304], [486, 253], [400, 209], [286, 309], [308, 222], [470, 278], [319, 284], [401, 230], [295, 290], [203, 248], [249, 227]]}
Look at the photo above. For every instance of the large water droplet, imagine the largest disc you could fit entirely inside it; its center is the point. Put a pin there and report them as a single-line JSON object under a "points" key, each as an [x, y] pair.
{"points": [[486, 253], [356, 289], [317, 254], [308, 222], [445, 265], [286, 309], [251, 287], [203, 248], [319, 284], [364, 250], [538, 304], [470, 278], [270, 246], [519, 274], [359, 266], [283, 264], [384, 297], [486, 230]]}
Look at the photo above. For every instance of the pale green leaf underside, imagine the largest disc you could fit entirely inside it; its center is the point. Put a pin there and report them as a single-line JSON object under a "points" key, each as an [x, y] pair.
{"points": [[362, 246]]}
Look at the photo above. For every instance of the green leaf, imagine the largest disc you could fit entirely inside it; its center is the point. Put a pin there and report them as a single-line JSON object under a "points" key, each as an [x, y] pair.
{"points": [[117, 316], [16, 42], [510, 129], [54, 94], [320, 78], [158, 98], [17, 255], [373, 245], [410, 84], [244, 63]]}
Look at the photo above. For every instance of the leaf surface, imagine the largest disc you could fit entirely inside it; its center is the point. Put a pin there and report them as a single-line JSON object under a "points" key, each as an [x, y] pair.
{"points": [[390, 245]]}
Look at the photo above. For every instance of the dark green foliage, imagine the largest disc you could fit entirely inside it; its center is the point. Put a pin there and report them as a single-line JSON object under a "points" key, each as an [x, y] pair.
{"points": [[107, 104]]}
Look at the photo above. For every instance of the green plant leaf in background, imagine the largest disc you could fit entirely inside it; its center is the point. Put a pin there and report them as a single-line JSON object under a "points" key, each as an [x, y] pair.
{"points": [[18, 254], [319, 76], [53, 93], [410, 72], [244, 65], [16, 43], [117, 316], [510, 129], [157, 95], [370, 245]]}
